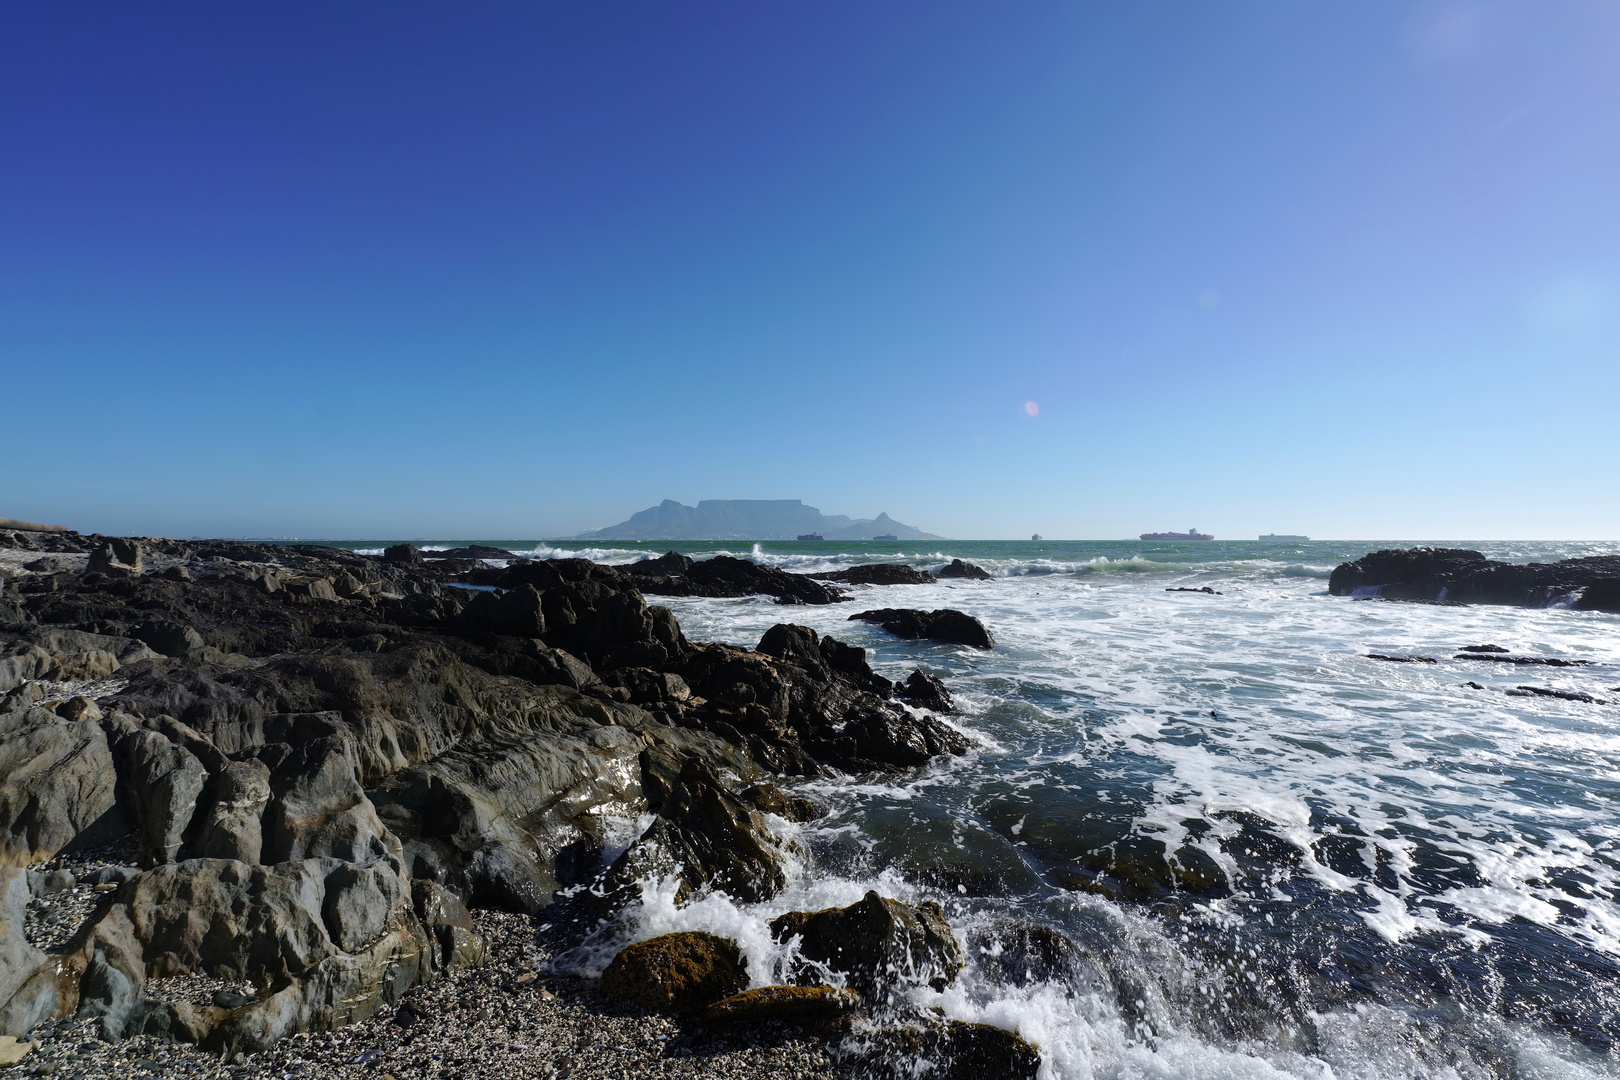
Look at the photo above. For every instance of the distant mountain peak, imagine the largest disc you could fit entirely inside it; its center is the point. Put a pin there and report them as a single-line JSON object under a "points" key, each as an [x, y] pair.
{"points": [[750, 519]]}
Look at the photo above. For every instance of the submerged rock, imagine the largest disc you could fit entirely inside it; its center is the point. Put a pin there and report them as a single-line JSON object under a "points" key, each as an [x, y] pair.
{"points": [[682, 972], [948, 1050]]}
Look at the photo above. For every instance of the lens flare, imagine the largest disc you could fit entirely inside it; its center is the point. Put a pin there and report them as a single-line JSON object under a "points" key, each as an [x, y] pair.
{"points": [[1031, 408]]}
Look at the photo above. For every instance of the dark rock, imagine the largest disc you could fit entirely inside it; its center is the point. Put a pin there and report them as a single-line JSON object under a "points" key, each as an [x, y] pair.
{"points": [[683, 972], [1601, 595], [891, 738], [1458, 575], [770, 799], [878, 574], [802, 1005], [944, 624], [169, 638], [1205, 589], [1402, 659], [676, 575], [403, 555], [882, 945], [1483, 649], [1017, 955], [471, 551], [449, 924], [115, 556], [1473, 686], [1525, 661], [940, 1050], [956, 568], [926, 691], [710, 838], [1565, 695]]}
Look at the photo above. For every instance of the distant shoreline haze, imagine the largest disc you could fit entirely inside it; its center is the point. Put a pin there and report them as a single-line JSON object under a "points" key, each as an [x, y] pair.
{"points": [[750, 519]]}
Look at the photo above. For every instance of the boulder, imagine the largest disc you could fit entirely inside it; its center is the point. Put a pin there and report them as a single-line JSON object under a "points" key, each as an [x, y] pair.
{"points": [[682, 972], [881, 945], [959, 569], [804, 1005], [58, 785], [232, 827], [943, 624], [115, 556], [402, 555], [159, 786]]}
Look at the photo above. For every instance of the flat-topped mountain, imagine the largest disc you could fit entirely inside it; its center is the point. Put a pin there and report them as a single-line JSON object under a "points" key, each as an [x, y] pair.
{"points": [[751, 519]]}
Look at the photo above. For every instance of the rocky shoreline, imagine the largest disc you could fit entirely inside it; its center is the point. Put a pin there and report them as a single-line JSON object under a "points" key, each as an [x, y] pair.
{"points": [[262, 806], [1462, 576]]}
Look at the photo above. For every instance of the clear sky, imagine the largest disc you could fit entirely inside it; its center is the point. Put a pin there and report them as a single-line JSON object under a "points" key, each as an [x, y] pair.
{"points": [[519, 269]]}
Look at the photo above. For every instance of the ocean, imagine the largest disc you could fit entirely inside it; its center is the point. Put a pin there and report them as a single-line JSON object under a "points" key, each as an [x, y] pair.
{"points": [[1276, 857]]}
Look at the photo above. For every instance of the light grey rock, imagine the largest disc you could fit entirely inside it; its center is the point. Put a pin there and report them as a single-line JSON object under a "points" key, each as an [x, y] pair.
{"points": [[30, 992], [57, 785]]}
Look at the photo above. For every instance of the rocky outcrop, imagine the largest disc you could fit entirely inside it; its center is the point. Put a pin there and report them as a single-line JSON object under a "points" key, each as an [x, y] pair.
{"points": [[878, 574], [944, 624], [1461, 576], [320, 760], [682, 972], [880, 944], [675, 574], [956, 568]]}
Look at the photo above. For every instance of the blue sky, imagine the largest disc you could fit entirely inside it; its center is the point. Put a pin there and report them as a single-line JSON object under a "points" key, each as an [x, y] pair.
{"points": [[368, 269]]}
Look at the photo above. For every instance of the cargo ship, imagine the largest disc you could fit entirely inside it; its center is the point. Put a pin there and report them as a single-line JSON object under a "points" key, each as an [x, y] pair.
{"points": [[811, 536], [886, 536], [1190, 534], [1283, 538]]}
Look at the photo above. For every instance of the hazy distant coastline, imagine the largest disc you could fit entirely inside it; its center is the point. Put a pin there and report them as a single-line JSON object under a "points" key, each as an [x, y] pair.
{"points": [[751, 519]]}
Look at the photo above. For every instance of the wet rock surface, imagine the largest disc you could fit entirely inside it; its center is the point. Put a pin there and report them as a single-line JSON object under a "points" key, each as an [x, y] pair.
{"points": [[1459, 575], [277, 810], [879, 574], [943, 624], [956, 568]]}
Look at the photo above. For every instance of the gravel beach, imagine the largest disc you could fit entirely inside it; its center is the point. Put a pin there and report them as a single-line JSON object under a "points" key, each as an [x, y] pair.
{"points": [[510, 1019]]}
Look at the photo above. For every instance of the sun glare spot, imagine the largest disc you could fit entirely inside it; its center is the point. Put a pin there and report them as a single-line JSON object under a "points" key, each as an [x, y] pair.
{"points": [[1031, 408]]}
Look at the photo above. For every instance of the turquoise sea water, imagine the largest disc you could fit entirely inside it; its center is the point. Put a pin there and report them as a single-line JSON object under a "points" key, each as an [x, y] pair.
{"points": [[1279, 857]]}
